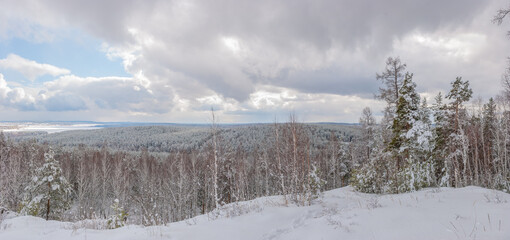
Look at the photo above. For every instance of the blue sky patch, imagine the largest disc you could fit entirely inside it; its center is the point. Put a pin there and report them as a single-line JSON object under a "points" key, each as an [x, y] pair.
{"points": [[79, 53]]}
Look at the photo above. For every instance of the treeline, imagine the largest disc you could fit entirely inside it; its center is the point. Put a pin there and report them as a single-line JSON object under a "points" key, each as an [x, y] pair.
{"points": [[451, 143], [178, 137], [156, 188]]}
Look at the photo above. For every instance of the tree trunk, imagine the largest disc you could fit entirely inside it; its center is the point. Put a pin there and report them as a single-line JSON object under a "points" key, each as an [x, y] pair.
{"points": [[48, 204]]}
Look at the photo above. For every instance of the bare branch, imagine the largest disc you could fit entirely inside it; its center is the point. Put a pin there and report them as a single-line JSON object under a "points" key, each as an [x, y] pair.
{"points": [[500, 16]]}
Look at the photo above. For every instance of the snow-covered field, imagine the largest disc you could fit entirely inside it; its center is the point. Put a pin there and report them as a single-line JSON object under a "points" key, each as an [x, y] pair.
{"points": [[445, 213], [45, 127]]}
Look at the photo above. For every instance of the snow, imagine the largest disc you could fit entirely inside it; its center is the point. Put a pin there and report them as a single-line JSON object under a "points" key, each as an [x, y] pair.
{"points": [[439, 213], [45, 127]]}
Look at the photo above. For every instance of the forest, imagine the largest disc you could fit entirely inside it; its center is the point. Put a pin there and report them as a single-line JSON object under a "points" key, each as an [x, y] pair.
{"points": [[216, 166]]}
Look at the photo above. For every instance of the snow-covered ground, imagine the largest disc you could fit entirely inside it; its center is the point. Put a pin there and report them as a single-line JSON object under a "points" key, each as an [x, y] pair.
{"points": [[445, 213], [45, 127]]}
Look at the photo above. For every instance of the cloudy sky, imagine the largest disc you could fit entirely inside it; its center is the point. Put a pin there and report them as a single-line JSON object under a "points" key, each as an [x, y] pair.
{"points": [[252, 61]]}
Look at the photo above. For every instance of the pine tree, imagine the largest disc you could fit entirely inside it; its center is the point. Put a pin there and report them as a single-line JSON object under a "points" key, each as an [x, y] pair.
{"points": [[392, 78], [489, 128], [440, 138], [459, 94], [48, 194], [457, 142]]}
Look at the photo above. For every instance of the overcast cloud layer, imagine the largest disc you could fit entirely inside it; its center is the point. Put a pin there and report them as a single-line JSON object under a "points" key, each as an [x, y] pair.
{"points": [[250, 60]]}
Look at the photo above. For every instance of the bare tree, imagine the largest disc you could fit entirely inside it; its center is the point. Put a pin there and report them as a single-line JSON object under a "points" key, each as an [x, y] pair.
{"points": [[367, 122], [392, 77], [506, 83], [498, 19], [500, 16], [214, 132]]}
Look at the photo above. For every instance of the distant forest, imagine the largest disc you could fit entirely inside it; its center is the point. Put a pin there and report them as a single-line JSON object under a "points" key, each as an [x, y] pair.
{"points": [[182, 137]]}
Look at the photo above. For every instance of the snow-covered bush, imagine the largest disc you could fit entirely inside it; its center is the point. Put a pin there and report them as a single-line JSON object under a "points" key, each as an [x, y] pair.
{"points": [[501, 183], [315, 183], [119, 217], [415, 176], [48, 194], [364, 179], [373, 177]]}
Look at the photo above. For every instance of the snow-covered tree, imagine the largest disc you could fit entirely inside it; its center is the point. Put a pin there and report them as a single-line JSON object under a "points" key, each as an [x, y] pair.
{"points": [[440, 139], [48, 194], [315, 183], [374, 176], [406, 116], [404, 163], [119, 216], [457, 142], [489, 132], [411, 139], [392, 79]]}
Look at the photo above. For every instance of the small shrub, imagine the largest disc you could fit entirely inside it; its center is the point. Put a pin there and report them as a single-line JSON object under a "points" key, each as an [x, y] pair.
{"points": [[118, 219]]}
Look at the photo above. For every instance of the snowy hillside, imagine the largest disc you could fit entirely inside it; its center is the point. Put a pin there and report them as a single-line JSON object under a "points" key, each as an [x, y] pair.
{"points": [[445, 213]]}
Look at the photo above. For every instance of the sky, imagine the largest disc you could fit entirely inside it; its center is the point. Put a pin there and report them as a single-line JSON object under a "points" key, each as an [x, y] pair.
{"points": [[251, 61]]}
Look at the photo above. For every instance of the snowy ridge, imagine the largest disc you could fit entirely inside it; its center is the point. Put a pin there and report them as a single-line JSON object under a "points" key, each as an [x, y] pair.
{"points": [[434, 213]]}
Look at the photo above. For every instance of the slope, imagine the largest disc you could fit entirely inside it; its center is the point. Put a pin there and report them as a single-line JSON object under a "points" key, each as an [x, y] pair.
{"points": [[443, 213]]}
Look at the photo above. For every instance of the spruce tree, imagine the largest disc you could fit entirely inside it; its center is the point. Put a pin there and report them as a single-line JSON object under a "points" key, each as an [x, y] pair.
{"points": [[48, 194], [406, 115], [410, 145], [489, 128], [440, 139], [119, 217]]}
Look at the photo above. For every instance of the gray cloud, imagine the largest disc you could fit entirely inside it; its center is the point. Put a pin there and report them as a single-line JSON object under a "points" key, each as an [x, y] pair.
{"points": [[187, 50], [64, 102], [305, 37], [125, 94]]}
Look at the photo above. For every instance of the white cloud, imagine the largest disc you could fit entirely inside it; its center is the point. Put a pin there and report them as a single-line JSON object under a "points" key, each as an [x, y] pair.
{"points": [[15, 98], [254, 59], [119, 93], [30, 69]]}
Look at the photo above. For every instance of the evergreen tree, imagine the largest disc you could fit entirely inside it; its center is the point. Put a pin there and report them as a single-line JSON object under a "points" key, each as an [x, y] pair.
{"points": [[375, 176], [119, 217], [410, 145], [405, 165], [459, 94], [489, 128], [48, 194], [440, 138], [315, 183], [406, 115], [457, 142], [392, 79]]}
